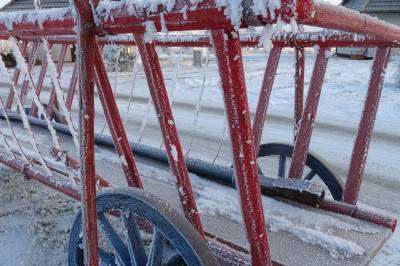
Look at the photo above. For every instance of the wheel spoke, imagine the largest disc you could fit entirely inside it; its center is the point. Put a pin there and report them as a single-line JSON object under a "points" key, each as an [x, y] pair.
{"points": [[106, 258], [135, 242], [157, 248], [310, 175], [122, 254], [282, 166]]}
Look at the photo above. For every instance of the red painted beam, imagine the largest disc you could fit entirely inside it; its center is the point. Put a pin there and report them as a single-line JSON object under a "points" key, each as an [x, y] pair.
{"points": [[366, 126], [17, 73], [300, 39], [306, 125], [206, 15], [172, 143], [359, 213], [87, 46], [72, 163], [265, 93], [53, 94], [114, 122], [37, 173], [229, 58], [298, 89], [39, 84], [30, 65], [337, 17], [72, 88]]}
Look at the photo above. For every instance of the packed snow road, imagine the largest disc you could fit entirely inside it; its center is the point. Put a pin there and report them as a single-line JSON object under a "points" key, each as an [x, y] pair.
{"points": [[337, 119]]}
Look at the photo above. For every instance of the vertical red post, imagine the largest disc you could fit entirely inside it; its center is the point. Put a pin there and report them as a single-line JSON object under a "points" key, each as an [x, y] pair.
{"points": [[17, 72], [114, 122], [31, 64], [72, 87], [366, 126], [39, 84], [306, 126], [86, 47], [229, 57], [265, 93], [53, 94], [299, 88], [173, 147]]}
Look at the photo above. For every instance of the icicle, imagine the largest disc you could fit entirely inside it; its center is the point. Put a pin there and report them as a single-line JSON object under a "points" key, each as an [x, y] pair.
{"points": [[145, 119], [116, 68], [198, 105], [178, 63], [135, 72], [150, 31], [7, 145], [13, 136], [221, 142]]}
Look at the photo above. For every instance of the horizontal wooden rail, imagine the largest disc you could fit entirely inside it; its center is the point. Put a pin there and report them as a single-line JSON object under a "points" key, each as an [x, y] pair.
{"points": [[206, 15], [288, 39]]}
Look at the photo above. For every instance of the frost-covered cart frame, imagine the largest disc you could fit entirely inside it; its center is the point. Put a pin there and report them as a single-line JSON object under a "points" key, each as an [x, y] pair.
{"points": [[178, 238]]}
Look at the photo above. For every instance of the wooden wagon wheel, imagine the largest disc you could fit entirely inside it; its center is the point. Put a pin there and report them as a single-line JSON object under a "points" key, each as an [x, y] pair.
{"points": [[317, 167], [172, 240]]}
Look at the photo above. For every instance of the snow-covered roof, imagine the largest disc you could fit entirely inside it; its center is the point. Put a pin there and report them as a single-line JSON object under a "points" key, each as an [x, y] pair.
{"points": [[373, 6], [16, 5]]}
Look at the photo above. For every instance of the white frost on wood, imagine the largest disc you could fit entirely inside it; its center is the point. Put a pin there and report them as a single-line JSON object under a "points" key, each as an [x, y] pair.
{"points": [[24, 70], [150, 31], [174, 152], [308, 226], [22, 65], [9, 19], [3, 109], [52, 70]]}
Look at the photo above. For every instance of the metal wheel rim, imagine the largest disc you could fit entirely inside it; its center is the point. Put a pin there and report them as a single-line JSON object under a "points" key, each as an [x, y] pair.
{"points": [[170, 225]]}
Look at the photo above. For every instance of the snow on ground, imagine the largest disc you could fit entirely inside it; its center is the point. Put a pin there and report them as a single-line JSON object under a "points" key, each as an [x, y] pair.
{"points": [[34, 222], [41, 218], [342, 97]]}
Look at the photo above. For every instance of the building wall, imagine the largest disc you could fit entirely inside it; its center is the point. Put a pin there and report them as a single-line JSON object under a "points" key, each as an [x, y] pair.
{"points": [[393, 19], [56, 51]]}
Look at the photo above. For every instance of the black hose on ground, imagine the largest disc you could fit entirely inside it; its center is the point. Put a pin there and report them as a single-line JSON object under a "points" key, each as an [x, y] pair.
{"points": [[199, 167]]}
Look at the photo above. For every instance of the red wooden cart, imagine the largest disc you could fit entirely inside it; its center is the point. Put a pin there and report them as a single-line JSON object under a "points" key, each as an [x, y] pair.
{"points": [[181, 238]]}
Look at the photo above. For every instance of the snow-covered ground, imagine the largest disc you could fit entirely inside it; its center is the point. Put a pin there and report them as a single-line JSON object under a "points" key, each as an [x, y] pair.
{"points": [[31, 212]]}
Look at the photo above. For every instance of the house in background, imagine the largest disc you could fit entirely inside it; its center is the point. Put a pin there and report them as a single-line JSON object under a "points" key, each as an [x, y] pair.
{"points": [[387, 10], [20, 5]]}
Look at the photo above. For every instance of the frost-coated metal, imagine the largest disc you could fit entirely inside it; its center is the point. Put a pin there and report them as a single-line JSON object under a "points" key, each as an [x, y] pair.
{"points": [[265, 93], [172, 143], [306, 126], [299, 88], [72, 88], [39, 84], [207, 14], [53, 94], [181, 239], [229, 59], [366, 126], [17, 73], [227, 44], [114, 122], [30, 65], [85, 55], [290, 39]]}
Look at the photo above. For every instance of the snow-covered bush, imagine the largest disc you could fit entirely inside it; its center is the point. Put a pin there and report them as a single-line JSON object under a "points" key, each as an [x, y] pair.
{"points": [[119, 58]]}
